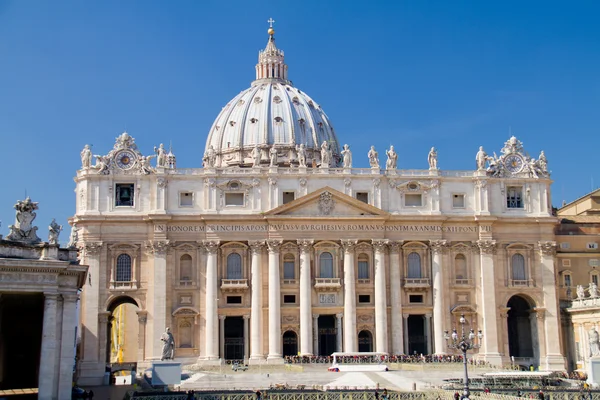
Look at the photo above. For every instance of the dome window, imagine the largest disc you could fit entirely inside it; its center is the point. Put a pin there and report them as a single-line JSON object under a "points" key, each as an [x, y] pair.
{"points": [[217, 127], [232, 123], [253, 120], [241, 102], [295, 101], [278, 120], [311, 104], [301, 121], [275, 87], [276, 99]]}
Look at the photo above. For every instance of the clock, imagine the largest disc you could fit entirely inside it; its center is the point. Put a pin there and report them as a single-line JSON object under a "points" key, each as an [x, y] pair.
{"points": [[514, 163], [125, 159]]}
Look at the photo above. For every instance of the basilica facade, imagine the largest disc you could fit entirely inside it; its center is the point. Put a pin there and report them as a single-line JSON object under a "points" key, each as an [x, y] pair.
{"points": [[278, 246]]}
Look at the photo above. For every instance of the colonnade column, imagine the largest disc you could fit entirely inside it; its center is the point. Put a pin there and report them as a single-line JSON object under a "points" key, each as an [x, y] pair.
{"points": [[256, 336], [488, 301], [396, 299], [142, 320], [305, 298], [210, 331], [67, 349], [405, 324], [50, 348], [381, 334], [275, 350], [554, 361], [246, 333], [428, 332], [315, 333], [350, 335], [338, 337], [222, 337], [437, 250]]}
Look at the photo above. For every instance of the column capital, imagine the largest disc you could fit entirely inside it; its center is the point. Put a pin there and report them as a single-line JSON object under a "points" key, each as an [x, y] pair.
{"points": [[305, 244], [103, 317], [246, 317], [70, 297], [51, 296], [142, 316], [380, 245], [256, 246], [540, 313], [438, 246], [211, 246], [503, 311], [92, 248], [547, 248], [428, 316], [487, 246], [315, 316], [158, 247], [339, 315], [274, 245], [405, 316], [349, 244], [222, 317], [396, 246]]}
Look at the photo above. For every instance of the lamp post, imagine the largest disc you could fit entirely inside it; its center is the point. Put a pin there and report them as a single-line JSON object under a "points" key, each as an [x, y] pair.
{"points": [[463, 343]]}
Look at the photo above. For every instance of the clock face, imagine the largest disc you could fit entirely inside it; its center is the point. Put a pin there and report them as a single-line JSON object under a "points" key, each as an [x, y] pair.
{"points": [[125, 159], [513, 163]]}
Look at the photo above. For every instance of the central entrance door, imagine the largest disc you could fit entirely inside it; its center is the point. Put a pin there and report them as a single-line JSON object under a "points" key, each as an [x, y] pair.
{"points": [[290, 343], [234, 338], [327, 335], [417, 339]]}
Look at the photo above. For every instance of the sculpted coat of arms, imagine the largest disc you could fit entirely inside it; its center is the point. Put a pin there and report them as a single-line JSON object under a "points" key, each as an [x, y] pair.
{"points": [[326, 203]]}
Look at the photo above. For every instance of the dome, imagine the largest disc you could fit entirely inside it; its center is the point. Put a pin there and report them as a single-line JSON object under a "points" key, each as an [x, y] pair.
{"points": [[271, 113]]}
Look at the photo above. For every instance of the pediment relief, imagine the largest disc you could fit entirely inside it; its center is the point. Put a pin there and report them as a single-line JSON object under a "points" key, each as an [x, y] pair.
{"points": [[363, 246], [289, 247], [417, 186], [518, 246], [186, 247], [234, 245], [414, 245], [234, 185]]}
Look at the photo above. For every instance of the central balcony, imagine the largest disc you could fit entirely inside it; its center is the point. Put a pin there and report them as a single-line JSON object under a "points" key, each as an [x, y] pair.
{"points": [[234, 285], [417, 284], [327, 284]]}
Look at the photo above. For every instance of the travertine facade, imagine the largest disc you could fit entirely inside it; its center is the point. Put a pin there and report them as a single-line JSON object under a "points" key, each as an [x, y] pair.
{"points": [[278, 246]]}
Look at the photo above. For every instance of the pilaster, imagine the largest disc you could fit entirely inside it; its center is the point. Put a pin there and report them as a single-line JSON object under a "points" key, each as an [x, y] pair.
{"points": [[50, 349], [157, 301], [487, 250], [67, 349], [438, 248], [274, 302], [395, 297], [350, 336], [211, 329], [381, 338], [306, 345], [256, 351]]}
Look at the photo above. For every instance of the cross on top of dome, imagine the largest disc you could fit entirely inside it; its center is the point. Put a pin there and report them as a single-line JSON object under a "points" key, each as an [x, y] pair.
{"points": [[271, 64]]}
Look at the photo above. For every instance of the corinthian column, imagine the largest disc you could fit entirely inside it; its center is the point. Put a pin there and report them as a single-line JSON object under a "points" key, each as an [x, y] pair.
{"points": [[256, 352], [274, 301], [210, 331], [50, 348], [381, 340], [488, 301], [437, 249], [395, 298], [158, 299], [305, 298], [350, 336]]}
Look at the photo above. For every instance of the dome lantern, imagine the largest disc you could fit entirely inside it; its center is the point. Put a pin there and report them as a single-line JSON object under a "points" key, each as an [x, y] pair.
{"points": [[271, 64]]}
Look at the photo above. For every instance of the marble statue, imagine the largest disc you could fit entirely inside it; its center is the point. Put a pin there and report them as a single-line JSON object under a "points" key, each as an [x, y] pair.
{"points": [[161, 156], [53, 231], [101, 165], [532, 166], [23, 229], [86, 157], [392, 158], [256, 154], [594, 340], [325, 154], [347, 156], [145, 166], [543, 163], [373, 157], [273, 156], [210, 157], [74, 237], [168, 345], [593, 289], [301, 155], [580, 292], [432, 159], [481, 158]]}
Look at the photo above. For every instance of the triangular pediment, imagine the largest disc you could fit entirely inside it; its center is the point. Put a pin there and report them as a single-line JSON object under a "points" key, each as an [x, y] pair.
{"points": [[327, 202]]}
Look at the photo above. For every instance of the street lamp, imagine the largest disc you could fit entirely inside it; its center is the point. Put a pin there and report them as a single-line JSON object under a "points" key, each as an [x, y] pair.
{"points": [[463, 343]]}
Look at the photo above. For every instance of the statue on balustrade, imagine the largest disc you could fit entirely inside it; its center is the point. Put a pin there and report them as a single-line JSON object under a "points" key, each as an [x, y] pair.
{"points": [[373, 157], [210, 157], [168, 350], [580, 292], [593, 289], [594, 340], [347, 156], [53, 231], [392, 158], [301, 155]]}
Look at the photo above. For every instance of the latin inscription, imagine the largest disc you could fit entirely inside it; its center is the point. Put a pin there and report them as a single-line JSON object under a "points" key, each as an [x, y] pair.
{"points": [[319, 227]]}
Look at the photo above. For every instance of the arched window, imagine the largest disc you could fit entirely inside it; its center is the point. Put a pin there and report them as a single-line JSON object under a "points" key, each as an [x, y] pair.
{"points": [[460, 266], [289, 266], [363, 266], [414, 265], [123, 273], [326, 265], [234, 266], [185, 334], [518, 267], [185, 268]]}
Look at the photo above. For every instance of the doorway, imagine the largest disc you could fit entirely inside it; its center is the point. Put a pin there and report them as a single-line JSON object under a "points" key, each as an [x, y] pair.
{"points": [[327, 335], [290, 343], [365, 341], [417, 337], [520, 343], [234, 338]]}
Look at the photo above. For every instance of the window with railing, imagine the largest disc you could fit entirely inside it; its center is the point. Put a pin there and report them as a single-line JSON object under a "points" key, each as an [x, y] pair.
{"points": [[185, 270], [234, 266], [326, 265], [123, 271], [414, 265]]}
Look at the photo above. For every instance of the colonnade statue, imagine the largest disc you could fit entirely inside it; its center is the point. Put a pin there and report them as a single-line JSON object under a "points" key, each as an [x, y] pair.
{"points": [[168, 350]]}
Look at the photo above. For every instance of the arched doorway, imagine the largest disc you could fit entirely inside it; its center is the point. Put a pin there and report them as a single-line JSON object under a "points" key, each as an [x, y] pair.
{"points": [[365, 341], [122, 341], [520, 329], [290, 343]]}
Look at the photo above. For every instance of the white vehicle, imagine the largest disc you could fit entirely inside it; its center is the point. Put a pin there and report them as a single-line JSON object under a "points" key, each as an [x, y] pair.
{"points": [[358, 362]]}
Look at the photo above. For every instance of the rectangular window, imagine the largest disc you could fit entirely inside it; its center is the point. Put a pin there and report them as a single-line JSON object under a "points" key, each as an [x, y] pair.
{"points": [[565, 245], [415, 298], [594, 262], [234, 199], [289, 299], [362, 196], [289, 270], [234, 299], [186, 199], [363, 270], [364, 298], [568, 280], [592, 246], [288, 197], [413, 200], [124, 194], [514, 197], [566, 263], [458, 201]]}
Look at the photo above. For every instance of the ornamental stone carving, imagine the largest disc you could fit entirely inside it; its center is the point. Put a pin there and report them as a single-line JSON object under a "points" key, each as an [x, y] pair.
{"points": [[256, 246], [158, 247], [380, 245], [161, 183], [28, 278], [547, 248], [274, 245], [348, 245], [487, 246], [438, 246], [211, 246], [210, 182], [23, 229], [273, 181], [326, 203], [395, 246], [305, 245], [302, 182], [53, 232], [92, 248]]}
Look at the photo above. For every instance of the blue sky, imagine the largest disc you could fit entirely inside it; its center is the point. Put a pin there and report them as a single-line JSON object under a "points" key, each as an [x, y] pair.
{"points": [[416, 74]]}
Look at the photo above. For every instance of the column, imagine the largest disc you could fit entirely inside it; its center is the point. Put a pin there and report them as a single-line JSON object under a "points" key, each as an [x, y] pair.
{"points": [[405, 321], [488, 301], [315, 333], [50, 348], [210, 331], [338, 331], [428, 332], [256, 351], [103, 329], [222, 337], [142, 319], [437, 250], [158, 303], [381, 340], [554, 361], [396, 298], [275, 349], [67, 349], [350, 334], [305, 298], [504, 349], [246, 347], [59, 331]]}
